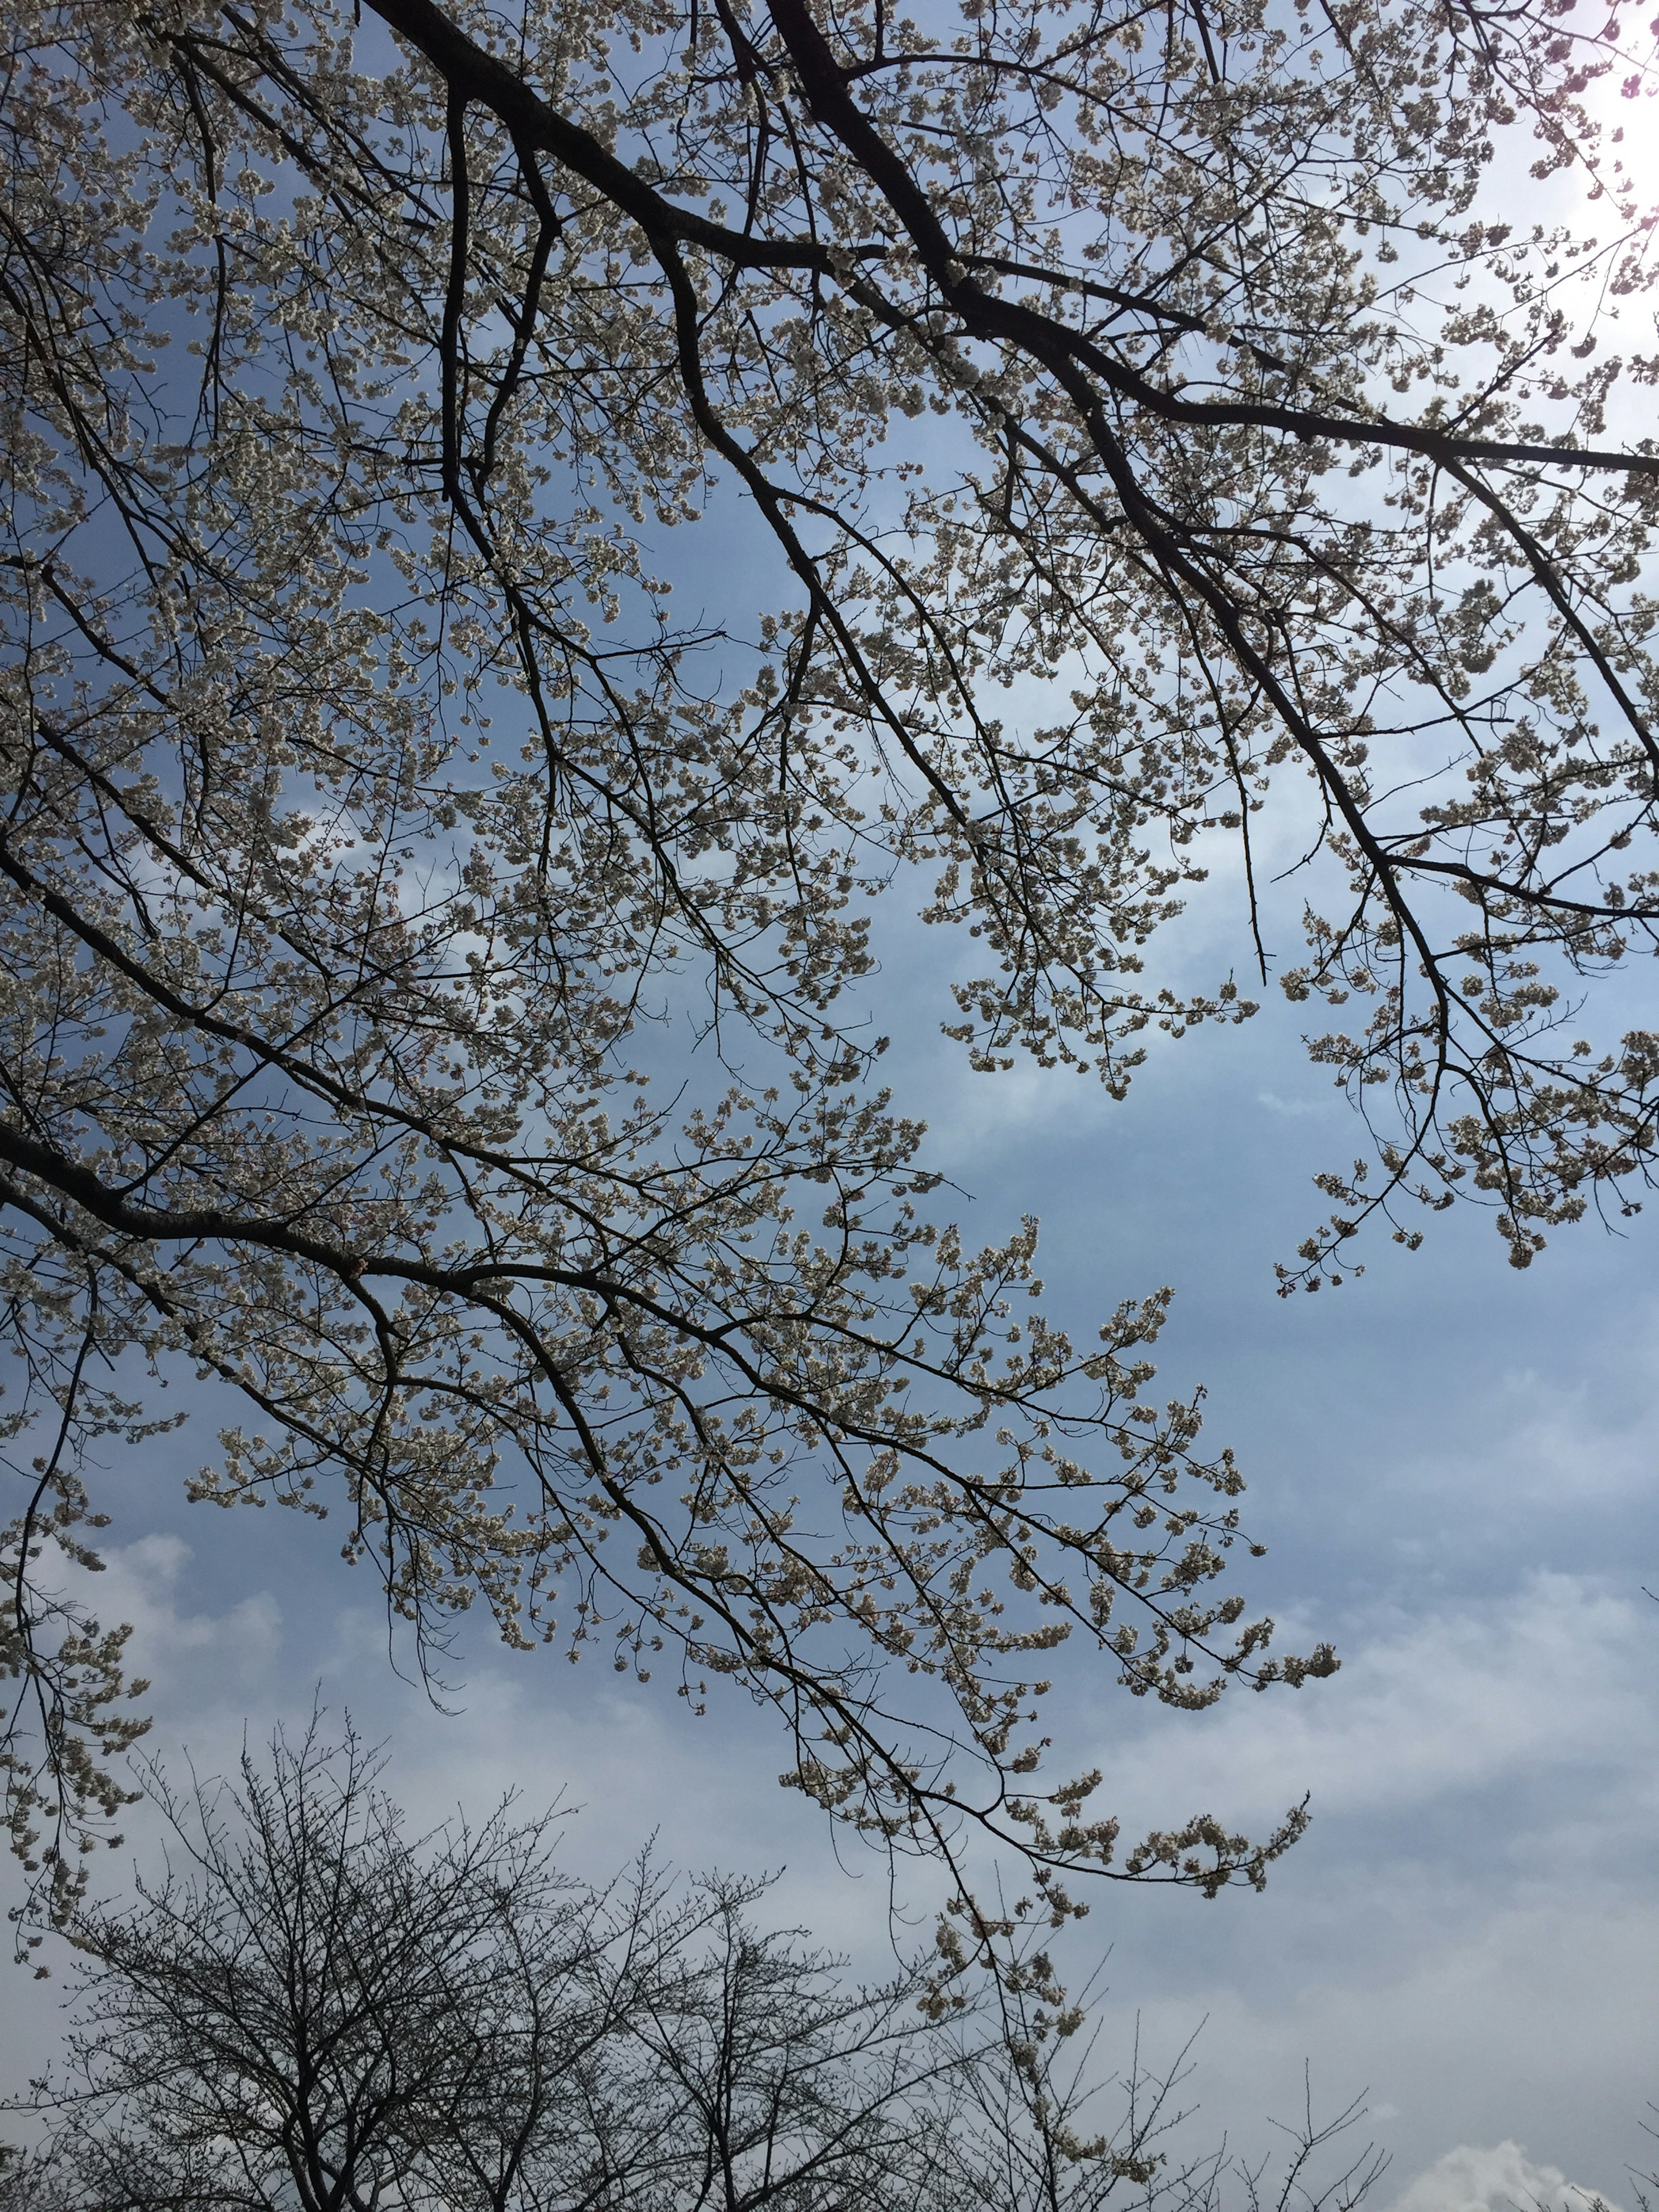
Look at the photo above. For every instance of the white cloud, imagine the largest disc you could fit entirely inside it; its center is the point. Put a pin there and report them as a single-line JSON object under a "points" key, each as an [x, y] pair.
{"points": [[230, 1654], [627, 1763], [1468, 2179], [1458, 1935], [1449, 2019], [1549, 1680], [1293, 1107]]}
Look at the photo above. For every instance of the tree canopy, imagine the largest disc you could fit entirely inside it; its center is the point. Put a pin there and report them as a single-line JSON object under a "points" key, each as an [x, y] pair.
{"points": [[1166, 449], [314, 2011]]}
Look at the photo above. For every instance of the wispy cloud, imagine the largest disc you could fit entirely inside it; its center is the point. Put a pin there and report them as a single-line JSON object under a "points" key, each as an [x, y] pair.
{"points": [[1292, 1107]]}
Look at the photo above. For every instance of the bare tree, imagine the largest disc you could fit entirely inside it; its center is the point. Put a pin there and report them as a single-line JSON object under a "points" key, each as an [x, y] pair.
{"points": [[1154, 416], [313, 2010]]}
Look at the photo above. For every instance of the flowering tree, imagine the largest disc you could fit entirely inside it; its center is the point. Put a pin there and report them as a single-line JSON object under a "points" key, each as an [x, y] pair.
{"points": [[1152, 425]]}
